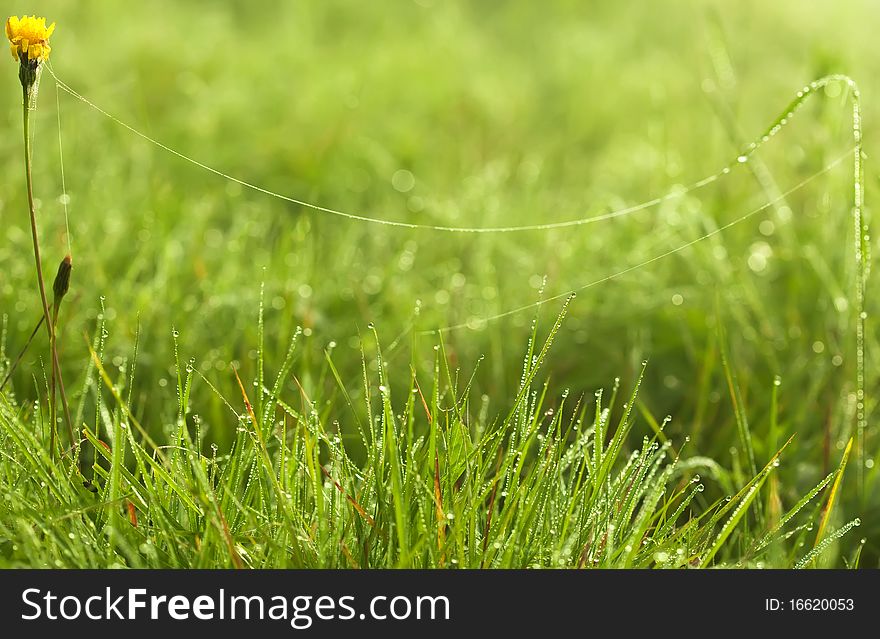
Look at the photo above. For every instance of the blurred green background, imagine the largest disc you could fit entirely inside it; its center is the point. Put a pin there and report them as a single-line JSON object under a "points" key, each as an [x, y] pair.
{"points": [[467, 114]]}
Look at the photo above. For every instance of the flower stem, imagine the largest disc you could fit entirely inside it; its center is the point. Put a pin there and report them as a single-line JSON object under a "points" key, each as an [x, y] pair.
{"points": [[57, 362], [50, 328]]}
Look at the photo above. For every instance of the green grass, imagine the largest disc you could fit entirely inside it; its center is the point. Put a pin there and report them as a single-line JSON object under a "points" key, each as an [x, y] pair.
{"points": [[503, 114], [437, 487]]}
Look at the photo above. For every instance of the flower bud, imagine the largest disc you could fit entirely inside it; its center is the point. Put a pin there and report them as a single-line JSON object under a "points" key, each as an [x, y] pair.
{"points": [[29, 44], [62, 279]]}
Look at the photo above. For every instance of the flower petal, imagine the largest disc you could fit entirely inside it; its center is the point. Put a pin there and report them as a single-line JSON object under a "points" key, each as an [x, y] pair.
{"points": [[29, 36]]}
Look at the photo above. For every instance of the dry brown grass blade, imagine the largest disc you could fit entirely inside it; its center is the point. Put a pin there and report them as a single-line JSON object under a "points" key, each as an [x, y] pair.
{"points": [[832, 496], [422, 397], [348, 556], [360, 509], [244, 396], [132, 514]]}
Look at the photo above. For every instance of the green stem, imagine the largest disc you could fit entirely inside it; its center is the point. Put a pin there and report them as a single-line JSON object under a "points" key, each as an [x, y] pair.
{"points": [[50, 328], [21, 353], [64, 403]]}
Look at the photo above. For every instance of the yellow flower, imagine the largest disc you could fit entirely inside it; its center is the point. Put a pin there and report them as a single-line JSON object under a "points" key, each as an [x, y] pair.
{"points": [[29, 38]]}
